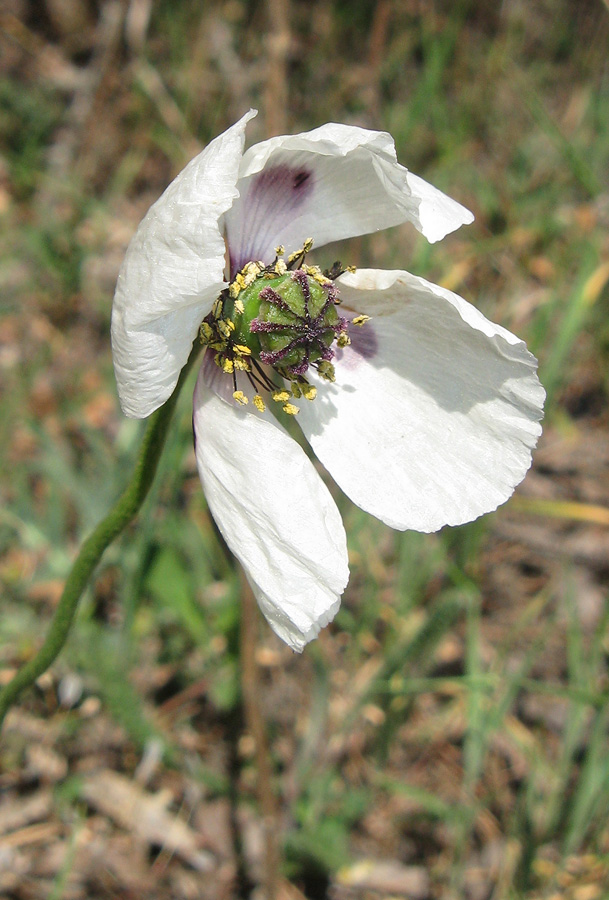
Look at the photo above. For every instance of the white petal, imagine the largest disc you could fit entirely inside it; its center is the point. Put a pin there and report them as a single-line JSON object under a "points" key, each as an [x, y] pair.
{"points": [[335, 182], [435, 409], [171, 275], [275, 513]]}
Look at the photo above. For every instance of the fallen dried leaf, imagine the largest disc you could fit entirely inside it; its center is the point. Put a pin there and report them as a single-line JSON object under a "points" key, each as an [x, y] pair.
{"points": [[146, 815]]}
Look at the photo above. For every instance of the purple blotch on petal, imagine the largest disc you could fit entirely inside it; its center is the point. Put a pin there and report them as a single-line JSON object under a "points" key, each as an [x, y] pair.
{"points": [[364, 340], [364, 344], [272, 199]]}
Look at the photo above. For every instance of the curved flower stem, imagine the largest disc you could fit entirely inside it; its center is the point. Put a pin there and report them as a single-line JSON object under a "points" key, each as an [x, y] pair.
{"points": [[91, 551]]}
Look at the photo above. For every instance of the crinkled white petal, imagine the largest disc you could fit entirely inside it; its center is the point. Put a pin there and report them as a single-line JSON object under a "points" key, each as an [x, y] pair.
{"points": [[335, 182], [435, 409], [173, 271], [275, 513]]}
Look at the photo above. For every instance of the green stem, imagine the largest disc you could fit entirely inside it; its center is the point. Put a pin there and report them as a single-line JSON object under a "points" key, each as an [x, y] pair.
{"points": [[91, 551]]}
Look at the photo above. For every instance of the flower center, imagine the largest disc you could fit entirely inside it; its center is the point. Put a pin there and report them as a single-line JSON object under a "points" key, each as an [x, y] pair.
{"points": [[277, 320]]}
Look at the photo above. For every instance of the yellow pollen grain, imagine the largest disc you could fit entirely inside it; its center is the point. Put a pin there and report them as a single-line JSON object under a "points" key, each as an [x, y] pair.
{"points": [[361, 320], [259, 403], [234, 290], [242, 365], [290, 409], [227, 365], [239, 307], [280, 396], [240, 397], [280, 267]]}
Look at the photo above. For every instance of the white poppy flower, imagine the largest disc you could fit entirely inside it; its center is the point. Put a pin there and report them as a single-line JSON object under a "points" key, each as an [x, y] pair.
{"points": [[423, 411]]}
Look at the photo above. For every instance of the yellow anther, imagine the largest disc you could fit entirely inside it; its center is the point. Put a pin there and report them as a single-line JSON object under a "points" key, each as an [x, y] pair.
{"points": [[280, 267], [259, 403], [361, 320], [309, 391], [316, 274], [243, 279], [296, 392], [326, 370], [290, 409], [300, 254], [240, 397], [206, 332], [280, 396], [242, 365], [280, 250], [226, 364], [225, 327], [351, 269], [343, 340], [242, 350], [217, 308]]}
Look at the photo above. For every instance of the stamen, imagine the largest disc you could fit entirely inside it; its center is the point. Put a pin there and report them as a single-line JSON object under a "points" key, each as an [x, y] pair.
{"points": [[225, 327], [343, 340], [205, 332], [360, 320], [326, 370], [295, 259], [240, 397]]}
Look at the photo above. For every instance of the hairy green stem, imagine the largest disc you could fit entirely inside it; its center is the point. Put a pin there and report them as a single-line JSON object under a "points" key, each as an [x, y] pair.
{"points": [[91, 551]]}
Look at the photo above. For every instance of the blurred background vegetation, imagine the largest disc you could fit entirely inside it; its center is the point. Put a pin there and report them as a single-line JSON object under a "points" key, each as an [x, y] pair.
{"points": [[447, 736]]}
